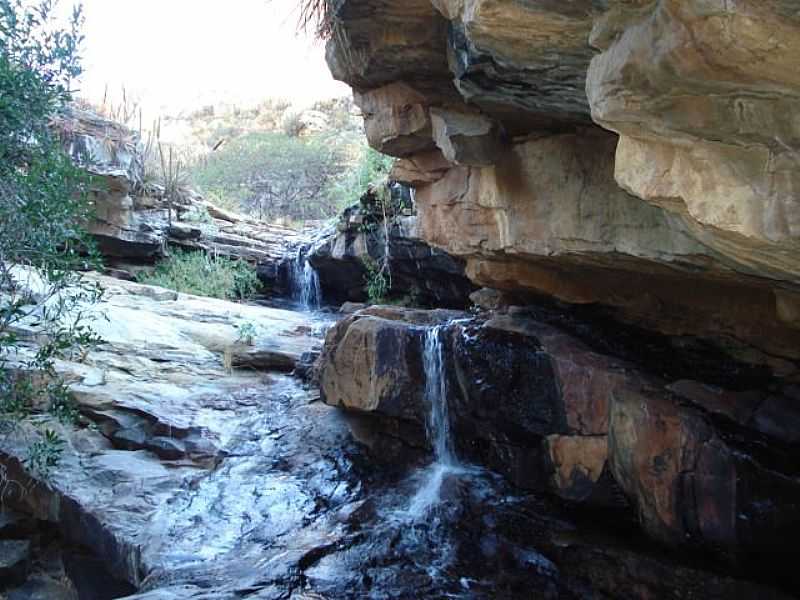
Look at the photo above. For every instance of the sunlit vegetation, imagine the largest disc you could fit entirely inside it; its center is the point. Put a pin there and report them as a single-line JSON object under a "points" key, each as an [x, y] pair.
{"points": [[44, 299], [202, 274]]}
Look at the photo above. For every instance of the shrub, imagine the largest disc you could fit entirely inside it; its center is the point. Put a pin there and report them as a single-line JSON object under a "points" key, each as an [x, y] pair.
{"points": [[293, 125], [43, 208], [247, 333], [273, 175], [376, 282], [201, 274], [369, 173]]}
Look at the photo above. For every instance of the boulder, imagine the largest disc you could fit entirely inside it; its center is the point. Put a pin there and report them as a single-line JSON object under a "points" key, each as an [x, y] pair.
{"points": [[692, 480]]}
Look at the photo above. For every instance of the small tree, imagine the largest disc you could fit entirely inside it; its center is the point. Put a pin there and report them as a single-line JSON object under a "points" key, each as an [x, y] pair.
{"points": [[274, 175], [43, 211]]}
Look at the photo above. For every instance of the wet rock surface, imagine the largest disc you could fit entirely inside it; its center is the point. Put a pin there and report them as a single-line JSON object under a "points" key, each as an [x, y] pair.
{"points": [[559, 413], [420, 273], [189, 478]]}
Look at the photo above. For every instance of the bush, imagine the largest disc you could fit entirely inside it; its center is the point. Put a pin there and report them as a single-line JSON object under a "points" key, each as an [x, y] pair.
{"points": [[43, 209], [376, 282], [201, 274], [273, 175], [370, 172]]}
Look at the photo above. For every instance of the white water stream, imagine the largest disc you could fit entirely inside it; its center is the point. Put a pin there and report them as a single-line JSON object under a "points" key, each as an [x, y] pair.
{"points": [[438, 427], [305, 283]]}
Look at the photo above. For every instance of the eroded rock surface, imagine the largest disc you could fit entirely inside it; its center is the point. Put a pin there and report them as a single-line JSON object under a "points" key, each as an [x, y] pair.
{"points": [[420, 274], [695, 203], [136, 220], [553, 408], [189, 478]]}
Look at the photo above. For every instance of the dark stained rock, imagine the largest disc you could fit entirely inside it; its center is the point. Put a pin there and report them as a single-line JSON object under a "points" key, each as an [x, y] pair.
{"points": [[15, 525], [91, 580], [420, 274], [701, 466], [504, 400], [14, 561], [711, 483]]}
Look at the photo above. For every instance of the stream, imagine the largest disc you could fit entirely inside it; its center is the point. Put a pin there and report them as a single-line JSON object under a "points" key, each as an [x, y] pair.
{"points": [[188, 480]]}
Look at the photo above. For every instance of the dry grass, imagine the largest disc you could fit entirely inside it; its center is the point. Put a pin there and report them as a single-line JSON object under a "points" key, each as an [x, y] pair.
{"points": [[317, 16]]}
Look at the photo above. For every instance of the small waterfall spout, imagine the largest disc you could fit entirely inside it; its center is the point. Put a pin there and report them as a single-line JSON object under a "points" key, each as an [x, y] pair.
{"points": [[436, 398], [306, 289], [438, 426]]}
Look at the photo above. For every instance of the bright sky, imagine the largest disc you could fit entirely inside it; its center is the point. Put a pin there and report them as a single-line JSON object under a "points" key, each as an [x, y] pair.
{"points": [[178, 54]]}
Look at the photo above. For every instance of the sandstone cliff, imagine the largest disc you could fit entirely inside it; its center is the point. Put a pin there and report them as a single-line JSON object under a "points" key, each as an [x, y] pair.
{"points": [[136, 219], [641, 155], [630, 171]]}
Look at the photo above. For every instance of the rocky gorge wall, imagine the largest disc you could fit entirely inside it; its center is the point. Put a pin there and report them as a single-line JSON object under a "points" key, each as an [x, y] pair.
{"points": [[641, 155], [628, 171], [136, 220], [702, 450], [365, 235]]}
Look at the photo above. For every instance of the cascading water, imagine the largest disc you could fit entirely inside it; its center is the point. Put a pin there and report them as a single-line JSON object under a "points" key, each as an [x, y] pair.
{"points": [[305, 283], [438, 426], [436, 397]]}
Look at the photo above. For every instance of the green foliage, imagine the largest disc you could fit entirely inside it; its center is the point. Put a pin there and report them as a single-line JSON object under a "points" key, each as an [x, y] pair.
{"points": [[370, 173], [247, 333], [376, 282], [44, 246], [45, 453], [201, 274], [273, 175]]}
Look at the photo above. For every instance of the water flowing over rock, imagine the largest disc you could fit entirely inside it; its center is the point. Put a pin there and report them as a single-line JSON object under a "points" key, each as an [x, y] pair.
{"points": [[304, 282], [187, 477], [420, 273], [619, 415], [617, 424], [436, 396], [627, 171]]}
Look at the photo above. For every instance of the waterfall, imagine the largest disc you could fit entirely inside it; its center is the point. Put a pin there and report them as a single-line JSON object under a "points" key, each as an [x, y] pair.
{"points": [[305, 285], [438, 421], [438, 427]]}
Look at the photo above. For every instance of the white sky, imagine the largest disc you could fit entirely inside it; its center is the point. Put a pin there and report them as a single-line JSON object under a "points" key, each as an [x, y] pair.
{"points": [[182, 54]]}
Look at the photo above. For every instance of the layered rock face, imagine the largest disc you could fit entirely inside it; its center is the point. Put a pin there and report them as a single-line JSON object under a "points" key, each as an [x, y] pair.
{"points": [[637, 161], [420, 273], [136, 220], [702, 453], [640, 155]]}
